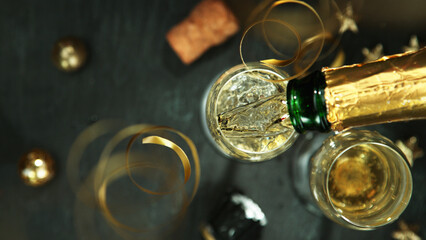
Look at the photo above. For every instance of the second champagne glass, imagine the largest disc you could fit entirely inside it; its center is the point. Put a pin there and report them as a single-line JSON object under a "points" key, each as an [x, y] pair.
{"points": [[357, 178]]}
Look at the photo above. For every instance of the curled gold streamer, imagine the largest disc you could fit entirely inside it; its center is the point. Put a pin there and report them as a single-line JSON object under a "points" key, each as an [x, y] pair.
{"points": [[136, 132], [257, 11], [109, 147], [167, 143], [329, 36], [321, 36], [274, 62], [101, 181], [282, 62], [183, 158], [79, 146], [117, 170], [309, 43], [286, 62], [103, 200]]}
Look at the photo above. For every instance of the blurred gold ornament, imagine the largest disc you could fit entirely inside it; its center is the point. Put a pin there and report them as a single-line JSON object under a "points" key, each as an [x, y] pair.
{"points": [[36, 167], [374, 54], [406, 232], [346, 19], [411, 149], [69, 54], [413, 45]]}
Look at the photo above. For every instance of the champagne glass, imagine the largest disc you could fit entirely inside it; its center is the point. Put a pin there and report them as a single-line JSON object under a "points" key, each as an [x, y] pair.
{"points": [[238, 88], [357, 178]]}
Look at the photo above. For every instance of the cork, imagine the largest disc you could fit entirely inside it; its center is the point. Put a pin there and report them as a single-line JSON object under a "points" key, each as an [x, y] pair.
{"points": [[209, 24]]}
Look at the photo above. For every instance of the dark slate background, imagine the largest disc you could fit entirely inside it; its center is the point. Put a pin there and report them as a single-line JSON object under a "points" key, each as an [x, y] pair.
{"points": [[130, 65]]}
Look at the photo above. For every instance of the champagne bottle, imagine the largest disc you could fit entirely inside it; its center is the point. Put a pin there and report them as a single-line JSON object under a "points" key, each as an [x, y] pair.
{"points": [[236, 217], [390, 89]]}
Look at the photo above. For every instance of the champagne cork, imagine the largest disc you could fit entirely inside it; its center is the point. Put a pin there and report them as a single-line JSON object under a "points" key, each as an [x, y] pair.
{"points": [[209, 24]]}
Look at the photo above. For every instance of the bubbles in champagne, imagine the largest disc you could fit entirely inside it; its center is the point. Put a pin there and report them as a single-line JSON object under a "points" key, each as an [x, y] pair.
{"points": [[249, 108], [358, 180]]}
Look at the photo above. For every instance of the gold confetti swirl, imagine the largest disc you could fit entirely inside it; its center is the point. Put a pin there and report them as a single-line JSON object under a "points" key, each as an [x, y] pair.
{"points": [[320, 36], [77, 149], [274, 62], [86, 216], [313, 45], [102, 193], [167, 143], [114, 164]]}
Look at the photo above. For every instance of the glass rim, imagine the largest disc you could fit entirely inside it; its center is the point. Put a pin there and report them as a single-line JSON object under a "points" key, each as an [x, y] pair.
{"points": [[232, 150]]}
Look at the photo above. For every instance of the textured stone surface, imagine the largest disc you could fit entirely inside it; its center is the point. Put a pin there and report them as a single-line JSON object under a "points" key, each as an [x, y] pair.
{"points": [[133, 74]]}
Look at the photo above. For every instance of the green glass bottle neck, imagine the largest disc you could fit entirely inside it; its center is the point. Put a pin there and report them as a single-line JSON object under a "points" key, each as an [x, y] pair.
{"points": [[306, 103]]}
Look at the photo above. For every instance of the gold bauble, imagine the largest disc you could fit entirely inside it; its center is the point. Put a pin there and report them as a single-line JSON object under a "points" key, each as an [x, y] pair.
{"points": [[36, 167], [69, 54]]}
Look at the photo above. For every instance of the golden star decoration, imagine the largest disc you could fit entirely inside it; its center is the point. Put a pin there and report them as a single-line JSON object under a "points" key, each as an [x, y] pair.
{"points": [[413, 44], [374, 54], [405, 232], [411, 149], [346, 19]]}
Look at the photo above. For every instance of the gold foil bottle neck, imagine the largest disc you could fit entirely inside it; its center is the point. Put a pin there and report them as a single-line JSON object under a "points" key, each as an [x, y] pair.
{"points": [[390, 89]]}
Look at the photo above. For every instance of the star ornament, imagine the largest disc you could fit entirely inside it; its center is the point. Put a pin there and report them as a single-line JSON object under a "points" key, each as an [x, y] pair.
{"points": [[374, 54], [411, 149], [413, 45], [346, 20], [405, 232]]}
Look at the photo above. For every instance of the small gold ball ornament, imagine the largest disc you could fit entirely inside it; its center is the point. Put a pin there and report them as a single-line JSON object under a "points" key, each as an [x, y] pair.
{"points": [[36, 167], [69, 54]]}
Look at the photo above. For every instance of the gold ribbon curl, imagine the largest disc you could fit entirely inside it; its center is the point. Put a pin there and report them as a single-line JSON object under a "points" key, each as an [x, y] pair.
{"points": [[274, 62], [302, 48], [102, 192], [167, 143], [77, 149], [102, 181]]}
